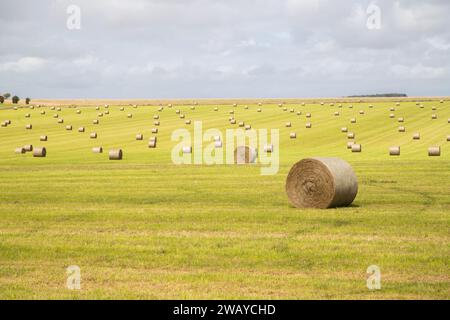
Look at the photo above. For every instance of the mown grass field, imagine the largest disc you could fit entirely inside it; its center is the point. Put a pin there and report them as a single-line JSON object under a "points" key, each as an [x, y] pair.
{"points": [[144, 228]]}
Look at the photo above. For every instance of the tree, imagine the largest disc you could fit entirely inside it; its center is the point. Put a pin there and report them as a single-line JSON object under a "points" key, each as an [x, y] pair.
{"points": [[27, 100], [2, 99], [15, 99], [6, 95]]}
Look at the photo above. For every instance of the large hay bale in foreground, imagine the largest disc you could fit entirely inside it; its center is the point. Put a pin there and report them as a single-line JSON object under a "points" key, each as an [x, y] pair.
{"points": [[39, 152], [245, 154], [321, 183], [115, 154], [434, 151]]}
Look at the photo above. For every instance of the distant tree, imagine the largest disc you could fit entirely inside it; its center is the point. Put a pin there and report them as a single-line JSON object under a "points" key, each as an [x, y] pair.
{"points": [[2, 99], [6, 95], [27, 100], [15, 99]]}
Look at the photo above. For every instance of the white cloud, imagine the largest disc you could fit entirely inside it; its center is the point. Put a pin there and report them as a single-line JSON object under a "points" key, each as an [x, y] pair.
{"points": [[24, 65]]}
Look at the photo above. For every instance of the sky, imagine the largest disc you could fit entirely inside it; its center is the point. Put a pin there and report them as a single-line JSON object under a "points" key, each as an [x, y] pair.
{"points": [[223, 48]]}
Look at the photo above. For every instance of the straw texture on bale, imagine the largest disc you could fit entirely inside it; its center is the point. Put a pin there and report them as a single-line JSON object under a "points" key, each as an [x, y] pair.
{"points": [[245, 154], [394, 151], [356, 147], [39, 152], [434, 151], [321, 183], [43, 138], [19, 150], [97, 150], [115, 154], [28, 147]]}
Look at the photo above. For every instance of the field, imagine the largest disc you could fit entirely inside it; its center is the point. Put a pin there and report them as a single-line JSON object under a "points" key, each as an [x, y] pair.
{"points": [[145, 228]]}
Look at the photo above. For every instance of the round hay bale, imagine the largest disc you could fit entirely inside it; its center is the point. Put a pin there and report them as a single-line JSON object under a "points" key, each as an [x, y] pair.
{"points": [[93, 135], [392, 109], [177, 111], [288, 124], [448, 138], [28, 147], [154, 130], [61, 120], [361, 111], [401, 129], [434, 151], [233, 121], [349, 144], [434, 116], [192, 108], [81, 129], [321, 183], [52, 108], [350, 106], [336, 113], [4, 124], [268, 148], [121, 109], [308, 115], [308, 125], [392, 116], [19, 150], [259, 110], [97, 150], [442, 101], [293, 135], [416, 136], [344, 129], [39, 152], [231, 111], [129, 115], [292, 111], [139, 136], [27, 115], [216, 109], [448, 120], [106, 106], [106, 111], [187, 122], [352, 120], [241, 124], [95, 121], [248, 127], [69, 127], [55, 115], [356, 147], [78, 111], [218, 144], [58, 109], [43, 112], [152, 143], [187, 149], [182, 116], [161, 109], [246, 107], [115, 154], [245, 154], [29, 126], [43, 138], [155, 117], [350, 135], [299, 113], [397, 104], [100, 114], [401, 119], [394, 151], [156, 123]]}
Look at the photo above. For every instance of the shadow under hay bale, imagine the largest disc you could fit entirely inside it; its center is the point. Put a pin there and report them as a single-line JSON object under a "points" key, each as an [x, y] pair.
{"points": [[321, 183]]}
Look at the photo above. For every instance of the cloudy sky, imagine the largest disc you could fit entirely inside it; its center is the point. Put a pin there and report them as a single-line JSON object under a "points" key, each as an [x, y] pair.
{"points": [[224, 48]]}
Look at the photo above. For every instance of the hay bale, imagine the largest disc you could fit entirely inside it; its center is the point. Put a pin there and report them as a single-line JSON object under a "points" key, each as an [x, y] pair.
{"points": [[93, 135], [216, 109], [361, 111], [19, 150], [43, 138], [218, 144], [55, 115], [288, 124], [356, 147], [4, 124], [187, 149], [182, 116], [100, 114], [284, 109], [350, 135], [321, 183], [29, 126], [248, 127], [268, 148], [106, 106], [69, 127], [392, 116], [442, 101], [106, 111], [293, 135], [401, 129], [344, 129], [350, 106], [192, 108], [434, 151], [336, 113], [187, 122], [394, 151], [139, 136], [95, 121], [155, 117], [349, 144], [308, 115], [156, 123], [160, 109], [39, 152], [233, 121], [81, 129], [291, 110], [27, 115], [153, 138], [154, 130], [115, 154], [391, 109], [97, 150], [245, 154], [177, 111], [434, 116], [299, 113], [433, 108], [121, 108], [448, 138], [58, 109], [308, 125], [43, 112], [416, 136], [78, 111], [246, 107], [397, 104], [130, 115], [401, 119], [61, 120], [258, 110], [152, 143], [231, 111], [241, 124], [352, 120], [28, 147]]}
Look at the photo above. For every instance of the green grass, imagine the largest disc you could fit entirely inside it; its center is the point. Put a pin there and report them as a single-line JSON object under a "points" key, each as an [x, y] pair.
{"points": [[146, 228]]}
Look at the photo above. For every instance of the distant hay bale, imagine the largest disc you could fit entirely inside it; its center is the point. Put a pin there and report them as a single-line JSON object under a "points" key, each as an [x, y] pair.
{"points": [[391, 109], [43, 112], [308, 125], [434, 116], [58, 109], [433, 108], [100, 114], [336, 113], [155, 117], [29, 126], [27, 115], [349, 144], [397, 104], [106, 111], [293, 135], [350, 106], [448, 138], [218, 144], [284, 109], [19, 150], [268, 148], [139, 136], [322, 103], [78, 111], [81, 129], [434, 151], [442, 101], [28, 147], [156, 123], [107, 106], [134, 106], [43, 138], [241, 124], [69, 127], [448, 120], [299, 113], [350, 135], [246, 107], [401, 119], [280, 105], [259, 110], [401, 129], [260, 104], [177, 111], [394, 151], [416, 136], [55, 115], [153, 138], [39, 152], [93, 135], [187, 149], [392, 116], [308, 115], [97, 150], [321, 183], [169, 105], [152, 143], [361, 111], [61, 120], [129, 115], [121, 108], [115, 154], [192, 108], [344, 129], [352, 120], [182, 116], [95, 121], [233, 121], [231, 111], [187, 122], [245, 154], [4, 124], [154, 130], [421, 106], [356, 147], [248, 127], [288, 124], [52, 108], [216, 109]]}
